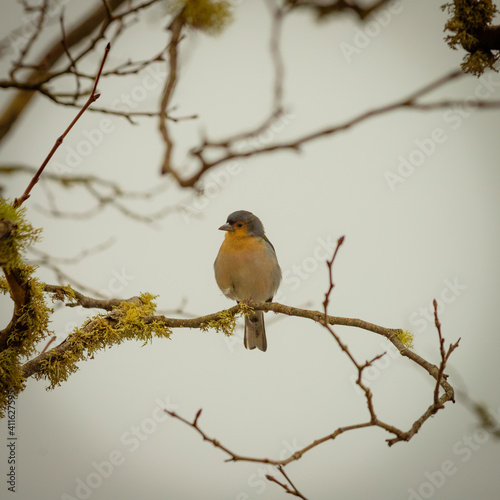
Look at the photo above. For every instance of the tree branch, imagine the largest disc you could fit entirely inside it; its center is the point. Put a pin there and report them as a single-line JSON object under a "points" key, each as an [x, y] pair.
{"points": [[173, 60], [227, 151], [444, 356], [93, 97], [292, 490], [374, 421], [213, 320], [323, 9], [19, 102]]}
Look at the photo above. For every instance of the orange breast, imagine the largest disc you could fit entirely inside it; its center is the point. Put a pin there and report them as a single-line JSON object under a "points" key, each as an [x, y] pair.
{"points": [[245, 268]]}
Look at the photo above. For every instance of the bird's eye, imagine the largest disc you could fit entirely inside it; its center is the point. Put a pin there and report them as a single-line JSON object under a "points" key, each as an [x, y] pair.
{"points": [[240, 224]]}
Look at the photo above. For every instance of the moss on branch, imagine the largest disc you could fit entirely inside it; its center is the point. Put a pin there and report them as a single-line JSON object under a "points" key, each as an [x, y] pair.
{"points": [[208, 16], [30, 319], [469, 22], [125, 322]]}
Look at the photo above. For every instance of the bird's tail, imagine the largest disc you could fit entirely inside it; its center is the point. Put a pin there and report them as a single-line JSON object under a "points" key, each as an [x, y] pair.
{"points": [[255, 332]]}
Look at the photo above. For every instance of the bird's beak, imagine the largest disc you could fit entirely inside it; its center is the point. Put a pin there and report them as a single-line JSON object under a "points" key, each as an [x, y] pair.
{"points": [[227, 227]]}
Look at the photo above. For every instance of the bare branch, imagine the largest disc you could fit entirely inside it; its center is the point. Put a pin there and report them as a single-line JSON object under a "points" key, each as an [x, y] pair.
{"points": [[435, 372], [329, 264], [324, 9], [93, 96], [292, 490], [235, 457], [80, 32], [105, 193], [228, 152], [52, 339], [444, 356], [168, 90]]}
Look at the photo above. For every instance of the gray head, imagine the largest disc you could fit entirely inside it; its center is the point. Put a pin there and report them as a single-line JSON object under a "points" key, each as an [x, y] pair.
{"points": [[244, 222]]}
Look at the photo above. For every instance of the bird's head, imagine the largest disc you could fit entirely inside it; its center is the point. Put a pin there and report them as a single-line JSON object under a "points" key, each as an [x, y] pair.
{"points": [[243, 223]]}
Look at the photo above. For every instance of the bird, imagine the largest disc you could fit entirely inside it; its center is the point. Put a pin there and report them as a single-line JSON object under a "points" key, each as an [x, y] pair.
{"points": [[247, 269]]}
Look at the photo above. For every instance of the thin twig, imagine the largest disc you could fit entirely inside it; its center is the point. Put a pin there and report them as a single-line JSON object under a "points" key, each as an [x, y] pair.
{"points": [[52, 339], [93, 97], [205, 153], [329, 264], [293, 491], [444, 356]]}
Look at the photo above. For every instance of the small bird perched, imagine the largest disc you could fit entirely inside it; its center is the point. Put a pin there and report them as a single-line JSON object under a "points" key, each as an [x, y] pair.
{"points": [[246, 268]]}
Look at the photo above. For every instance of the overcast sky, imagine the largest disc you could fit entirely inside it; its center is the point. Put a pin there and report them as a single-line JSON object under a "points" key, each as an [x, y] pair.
{"points": [[431, 233]]}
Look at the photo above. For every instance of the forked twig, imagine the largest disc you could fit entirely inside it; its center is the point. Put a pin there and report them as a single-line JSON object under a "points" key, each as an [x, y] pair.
{"points": [[292, 489], [444, 357]]}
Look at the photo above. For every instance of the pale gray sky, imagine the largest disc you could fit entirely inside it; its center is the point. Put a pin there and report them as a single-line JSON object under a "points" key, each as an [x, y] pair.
{"points": [[434, 235]]}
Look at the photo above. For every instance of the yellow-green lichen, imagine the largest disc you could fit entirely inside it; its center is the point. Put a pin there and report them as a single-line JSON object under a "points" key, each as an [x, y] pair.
{"points": [[468, 18], [69, 293], [30, 317], [4, 286], [129, 321], [245, 308], [405, 337], [208, 16], [11, 379], [25, 331], [225, 323], [32, 323], [17, 235]]}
